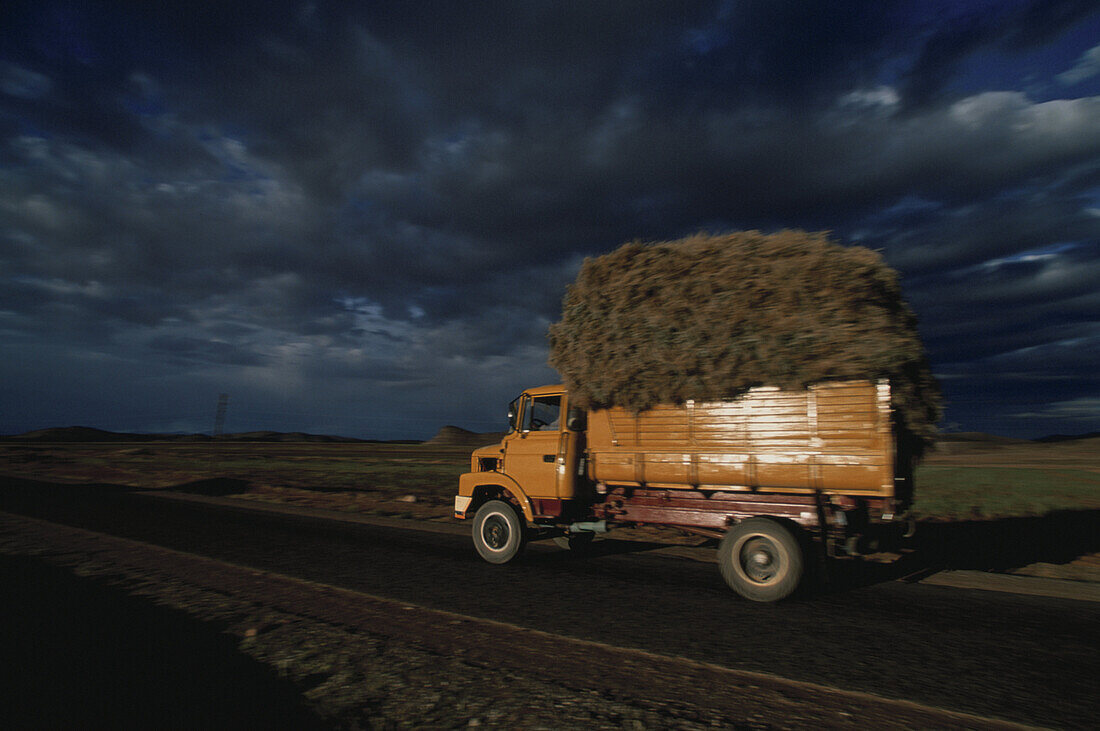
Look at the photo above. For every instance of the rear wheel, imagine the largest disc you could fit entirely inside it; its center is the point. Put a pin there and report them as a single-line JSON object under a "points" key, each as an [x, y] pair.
{"points": [[498, 532], [761, 560]]}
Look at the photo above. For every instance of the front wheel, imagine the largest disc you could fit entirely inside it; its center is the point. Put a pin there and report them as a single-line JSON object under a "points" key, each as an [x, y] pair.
{"points": [[761, 560], [499, 535]]}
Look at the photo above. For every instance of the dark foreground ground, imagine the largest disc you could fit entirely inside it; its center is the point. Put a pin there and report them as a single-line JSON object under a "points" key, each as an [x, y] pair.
{"points": [[358, 661], [78, 651], [368, 662], [1018, 657]]}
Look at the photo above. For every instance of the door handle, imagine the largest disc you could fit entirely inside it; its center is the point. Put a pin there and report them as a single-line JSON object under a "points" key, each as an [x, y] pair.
{"points": [[547, 458]]}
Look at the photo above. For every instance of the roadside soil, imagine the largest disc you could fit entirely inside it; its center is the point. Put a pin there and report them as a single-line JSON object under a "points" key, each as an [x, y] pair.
{"points": [[222, 645]]}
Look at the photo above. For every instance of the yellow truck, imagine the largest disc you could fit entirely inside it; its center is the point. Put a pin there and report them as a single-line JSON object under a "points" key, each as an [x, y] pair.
{"points": [[777, 476]]}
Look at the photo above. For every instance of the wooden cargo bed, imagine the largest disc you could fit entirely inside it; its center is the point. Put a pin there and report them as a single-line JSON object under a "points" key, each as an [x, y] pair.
{"points": [[832, 437]]}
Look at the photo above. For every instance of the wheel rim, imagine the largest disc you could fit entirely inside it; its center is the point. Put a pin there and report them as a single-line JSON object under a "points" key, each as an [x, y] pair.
{"points": [[495, 532], [759, 559]]}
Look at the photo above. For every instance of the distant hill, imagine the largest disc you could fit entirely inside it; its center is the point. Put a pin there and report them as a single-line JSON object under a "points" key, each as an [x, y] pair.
{"points": [[453, 436], [1069, 437], [295, 436], [977, 436], [88, 434]]}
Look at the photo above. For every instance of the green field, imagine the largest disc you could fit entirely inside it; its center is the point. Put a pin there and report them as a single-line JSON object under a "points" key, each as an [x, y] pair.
{"points": [[953, 492]]}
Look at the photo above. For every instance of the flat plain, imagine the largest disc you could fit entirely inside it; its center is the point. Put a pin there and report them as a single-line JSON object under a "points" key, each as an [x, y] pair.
{"points": [[962, 479]]}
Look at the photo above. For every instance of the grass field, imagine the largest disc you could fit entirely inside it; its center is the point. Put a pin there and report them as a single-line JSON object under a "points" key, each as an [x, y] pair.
{"points": [[964, 482], [413, 481], [951, 492]]}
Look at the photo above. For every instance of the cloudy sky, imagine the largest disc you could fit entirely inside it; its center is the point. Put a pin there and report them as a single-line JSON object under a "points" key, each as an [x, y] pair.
{"points": [[359, 218]]}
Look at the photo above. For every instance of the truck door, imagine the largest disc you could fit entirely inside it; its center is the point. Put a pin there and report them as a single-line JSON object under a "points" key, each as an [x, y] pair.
{"points": [[532, 454]]}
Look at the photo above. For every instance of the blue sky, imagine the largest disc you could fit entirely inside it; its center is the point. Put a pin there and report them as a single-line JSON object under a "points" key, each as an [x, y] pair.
{"points": [[360, 218]]}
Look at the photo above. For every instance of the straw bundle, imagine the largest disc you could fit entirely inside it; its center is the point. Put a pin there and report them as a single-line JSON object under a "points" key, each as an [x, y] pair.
{"points": [[708, 317]]}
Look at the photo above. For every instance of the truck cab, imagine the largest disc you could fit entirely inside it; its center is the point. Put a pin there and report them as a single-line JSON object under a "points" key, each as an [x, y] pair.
{"points": [[536, 468]]}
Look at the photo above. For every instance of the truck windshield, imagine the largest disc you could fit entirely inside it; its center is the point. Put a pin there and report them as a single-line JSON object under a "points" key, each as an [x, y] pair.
{"points": [[543, 413]]}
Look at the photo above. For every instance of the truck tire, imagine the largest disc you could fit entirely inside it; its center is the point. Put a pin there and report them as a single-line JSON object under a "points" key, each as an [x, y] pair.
{"points": [[499, 532], [761, 560]]}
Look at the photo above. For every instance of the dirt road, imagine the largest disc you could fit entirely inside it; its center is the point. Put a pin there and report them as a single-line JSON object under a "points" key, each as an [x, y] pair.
{"points": [[1016, 657]]}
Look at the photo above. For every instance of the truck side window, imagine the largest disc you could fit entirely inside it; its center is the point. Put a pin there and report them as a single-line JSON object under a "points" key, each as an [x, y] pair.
{"points": [[543, 414]]}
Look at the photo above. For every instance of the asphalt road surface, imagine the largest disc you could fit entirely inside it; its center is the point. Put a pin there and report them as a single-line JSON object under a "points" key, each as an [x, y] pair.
{"points": [[1018, 657]]}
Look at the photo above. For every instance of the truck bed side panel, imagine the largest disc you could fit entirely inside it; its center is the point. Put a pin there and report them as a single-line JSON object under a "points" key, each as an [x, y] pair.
{"points": [[835, 437]]}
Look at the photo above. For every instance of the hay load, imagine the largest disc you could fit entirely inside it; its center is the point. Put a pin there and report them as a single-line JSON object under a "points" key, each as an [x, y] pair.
{"points": [[708, 317]]}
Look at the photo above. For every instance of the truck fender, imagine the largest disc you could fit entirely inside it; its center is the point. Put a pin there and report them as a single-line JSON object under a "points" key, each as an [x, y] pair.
{"points": [[478, 487]]}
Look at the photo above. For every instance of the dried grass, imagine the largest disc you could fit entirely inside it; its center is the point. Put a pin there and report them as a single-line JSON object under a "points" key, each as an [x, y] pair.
{"points": [[708, 317]]}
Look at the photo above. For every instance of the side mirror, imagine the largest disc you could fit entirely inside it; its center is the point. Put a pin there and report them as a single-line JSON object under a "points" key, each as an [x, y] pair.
{"points": [[576, 419]]}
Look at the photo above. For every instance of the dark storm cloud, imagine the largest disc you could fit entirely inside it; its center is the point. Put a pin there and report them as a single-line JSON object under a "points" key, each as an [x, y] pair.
{"points": [[1052, 298], [935, 238], [324, 205], [961, 29]]}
